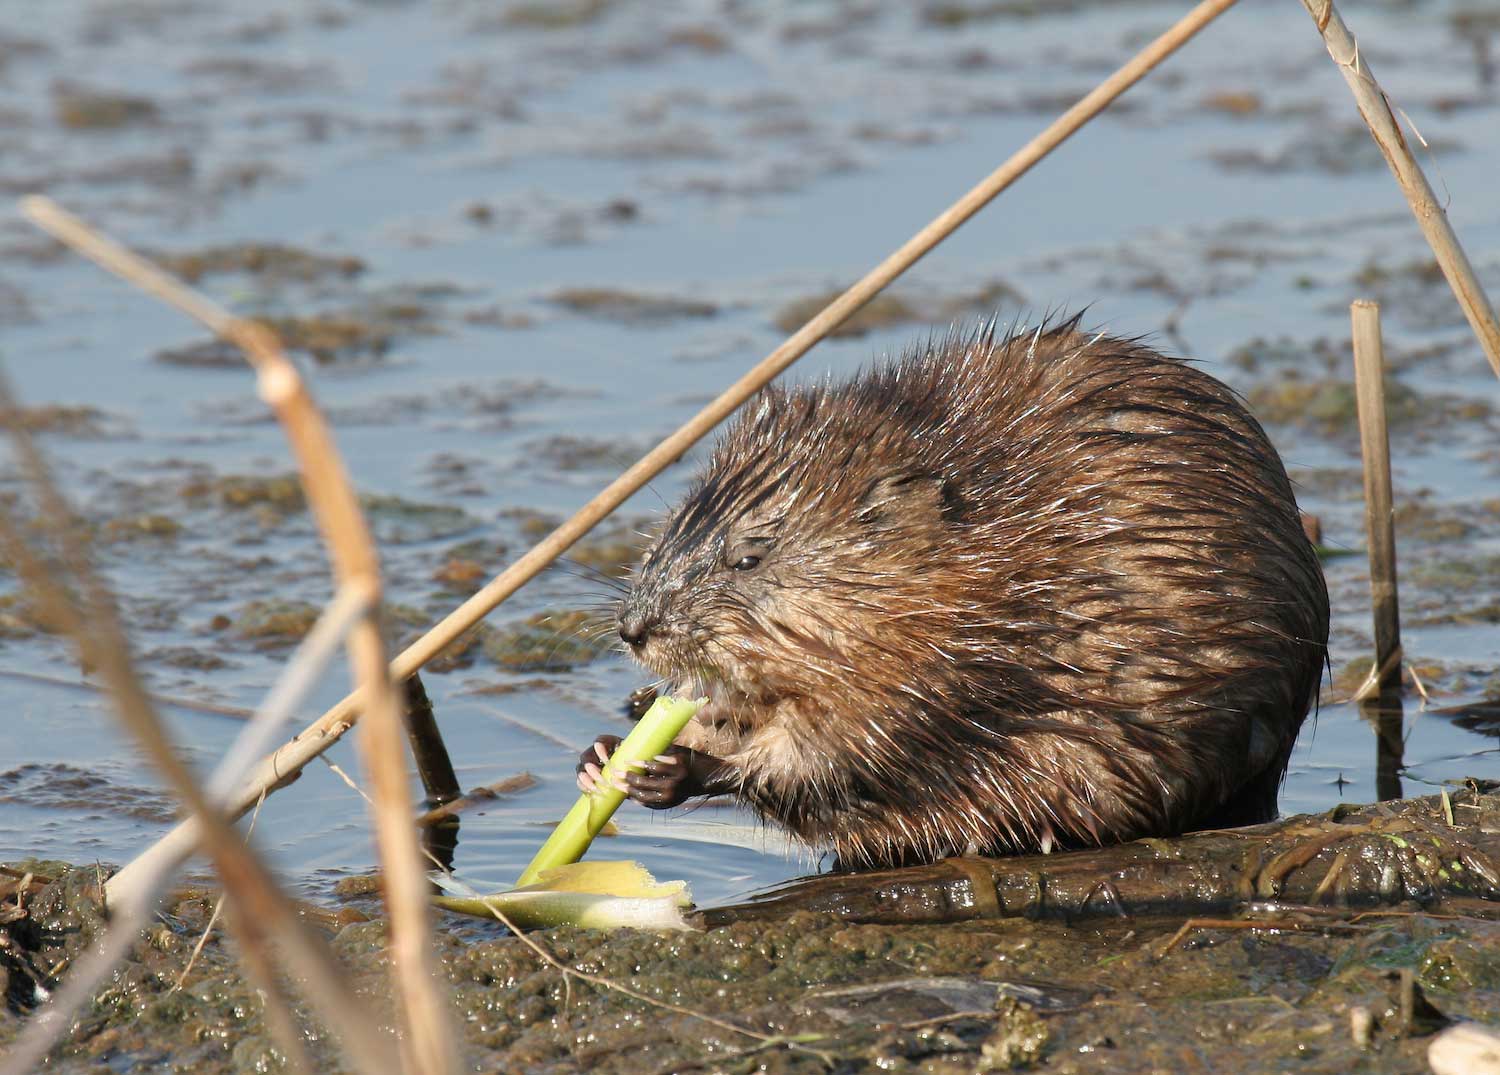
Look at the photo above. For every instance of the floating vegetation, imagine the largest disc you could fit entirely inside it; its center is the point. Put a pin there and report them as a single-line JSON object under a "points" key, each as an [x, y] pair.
{"points": [[630, 307]]}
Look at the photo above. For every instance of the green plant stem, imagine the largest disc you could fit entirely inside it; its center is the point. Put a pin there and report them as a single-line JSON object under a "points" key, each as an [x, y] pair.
{"points": [[652, 736]]}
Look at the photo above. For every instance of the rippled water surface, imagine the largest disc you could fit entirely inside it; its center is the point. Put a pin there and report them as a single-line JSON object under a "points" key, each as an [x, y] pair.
{"points": [[517, 243]]}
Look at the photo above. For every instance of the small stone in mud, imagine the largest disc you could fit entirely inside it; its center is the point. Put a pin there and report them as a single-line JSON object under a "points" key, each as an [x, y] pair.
{"points": [[274, 623], [883, 311], [1016, 1042], [630, 307], [348, 888], [97, 110]]}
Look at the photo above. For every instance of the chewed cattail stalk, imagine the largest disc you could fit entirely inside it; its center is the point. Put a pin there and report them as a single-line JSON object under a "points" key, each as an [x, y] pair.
{"points": [[661, 724]]}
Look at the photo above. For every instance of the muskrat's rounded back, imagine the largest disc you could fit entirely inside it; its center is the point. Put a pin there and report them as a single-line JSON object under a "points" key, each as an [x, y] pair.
{"points": [[1000, 594]]}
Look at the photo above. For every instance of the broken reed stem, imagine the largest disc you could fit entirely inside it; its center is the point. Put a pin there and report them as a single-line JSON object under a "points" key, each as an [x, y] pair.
{"points": [[1369, 390], [428, 1045], [328, 728], [1375, 108], [434, 765]]}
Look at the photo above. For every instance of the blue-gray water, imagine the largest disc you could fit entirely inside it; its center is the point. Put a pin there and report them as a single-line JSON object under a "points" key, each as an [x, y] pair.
{"points": [[479, 162]]}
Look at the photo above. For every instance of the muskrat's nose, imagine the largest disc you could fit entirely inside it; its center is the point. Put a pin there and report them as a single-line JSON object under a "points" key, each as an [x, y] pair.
{"points": [[634, 628]]}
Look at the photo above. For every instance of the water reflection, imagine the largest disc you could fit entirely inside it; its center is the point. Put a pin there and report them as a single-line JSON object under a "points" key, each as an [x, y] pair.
{"points": [[1386, 714]]}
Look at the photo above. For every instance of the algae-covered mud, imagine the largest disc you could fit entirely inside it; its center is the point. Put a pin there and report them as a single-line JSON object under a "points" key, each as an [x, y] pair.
{"points": [[513, 244], [1285, 986]]}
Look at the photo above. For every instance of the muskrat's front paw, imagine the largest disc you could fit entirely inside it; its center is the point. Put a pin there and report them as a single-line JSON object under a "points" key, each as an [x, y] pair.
{"points": [[665, 781], [591, 761]]}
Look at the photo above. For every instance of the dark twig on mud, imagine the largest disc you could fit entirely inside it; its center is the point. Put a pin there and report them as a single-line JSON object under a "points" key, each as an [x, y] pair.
{"points": [[1271, 924]]}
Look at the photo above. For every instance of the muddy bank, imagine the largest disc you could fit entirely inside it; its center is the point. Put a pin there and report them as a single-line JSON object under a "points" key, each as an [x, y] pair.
{"points": [[1327, 989]]}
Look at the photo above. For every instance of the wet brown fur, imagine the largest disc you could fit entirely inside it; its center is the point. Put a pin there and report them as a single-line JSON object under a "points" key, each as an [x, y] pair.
{"points": [[1012, 594]]}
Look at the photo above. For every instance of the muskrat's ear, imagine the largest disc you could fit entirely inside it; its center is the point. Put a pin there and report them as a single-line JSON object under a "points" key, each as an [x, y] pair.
{"points": [[907, 500]]}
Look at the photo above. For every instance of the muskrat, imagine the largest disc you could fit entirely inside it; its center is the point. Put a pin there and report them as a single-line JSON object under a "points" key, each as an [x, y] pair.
{"points": [[1000, 595]]}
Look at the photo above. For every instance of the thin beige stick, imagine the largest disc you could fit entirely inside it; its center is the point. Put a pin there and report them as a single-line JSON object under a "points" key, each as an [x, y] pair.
{"points": [[278, 1012], [325, 731], [1369, 387], [213, 919], [490, 793], [1416, 681], [1431, 217], [428, 1045]]}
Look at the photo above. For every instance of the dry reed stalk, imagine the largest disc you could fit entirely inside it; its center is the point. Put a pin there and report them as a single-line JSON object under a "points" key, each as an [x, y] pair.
{"points": [[1369, 388], [1375, 108], [428, 1044], [327, 729], [268, 914]]}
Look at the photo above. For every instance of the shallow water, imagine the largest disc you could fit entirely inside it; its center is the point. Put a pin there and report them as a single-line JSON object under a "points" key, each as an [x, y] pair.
{"points": [[732, 159]]}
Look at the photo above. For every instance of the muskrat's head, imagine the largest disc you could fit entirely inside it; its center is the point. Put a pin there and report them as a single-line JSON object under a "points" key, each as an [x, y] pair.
{"points": [[795, 566]]}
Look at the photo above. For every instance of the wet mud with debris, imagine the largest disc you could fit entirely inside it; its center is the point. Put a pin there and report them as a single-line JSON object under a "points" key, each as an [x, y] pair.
{"points": [[512, 245], [1315, 989]]}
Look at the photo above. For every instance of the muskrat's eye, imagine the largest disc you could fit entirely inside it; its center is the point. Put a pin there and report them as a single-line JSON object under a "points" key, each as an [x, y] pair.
{"points": [[745, 555], [745, 552]]}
